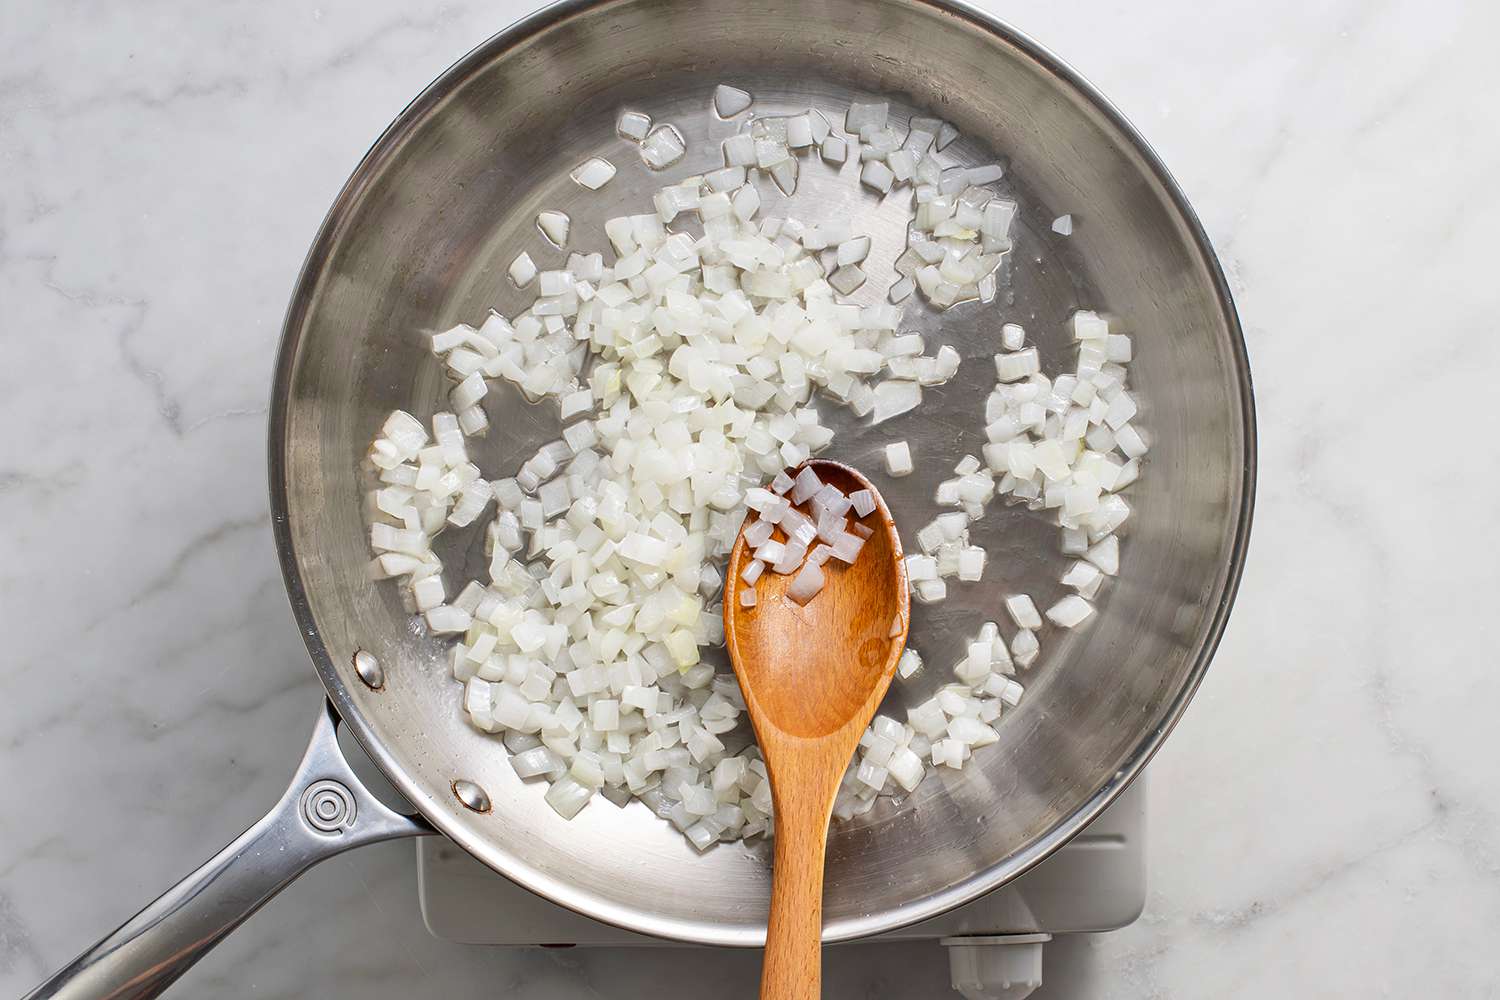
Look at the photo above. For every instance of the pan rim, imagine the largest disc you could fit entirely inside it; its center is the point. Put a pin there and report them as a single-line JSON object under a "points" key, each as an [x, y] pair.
{"points": [[489, 850]]}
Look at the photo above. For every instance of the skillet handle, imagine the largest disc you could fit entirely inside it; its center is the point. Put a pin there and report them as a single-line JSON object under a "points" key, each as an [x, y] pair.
{"points": [[326, 810]]}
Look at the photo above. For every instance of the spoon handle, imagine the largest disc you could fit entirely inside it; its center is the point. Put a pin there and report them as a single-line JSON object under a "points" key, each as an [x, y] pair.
{"points": [[793, 968]]}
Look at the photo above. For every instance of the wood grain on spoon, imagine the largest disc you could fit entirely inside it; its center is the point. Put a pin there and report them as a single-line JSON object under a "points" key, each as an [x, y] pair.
{"points": [[813, 677]]}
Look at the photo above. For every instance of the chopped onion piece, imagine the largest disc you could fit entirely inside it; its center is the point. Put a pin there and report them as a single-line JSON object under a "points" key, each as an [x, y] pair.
{"points": [[445, 619], [662, 147], [746, 203], [784, 174], [739, 150], [846, 547], [567, 797], [931, 591], [758, 533], [1069, 612], [893, 398], [877, 175], [1024, 647], [853, 251], [847, 279], [921, 567], [799, 131], [1081, 576], [792, 555], [986, 174], [1018, 365], [971, 563], [805, 485], [898, 459], [633, 125], [1023, 611], [807, 583], [730, 101], [771, 552], [522, 270], [863, 117], [536, 762], [554, 226], [593, 173]]}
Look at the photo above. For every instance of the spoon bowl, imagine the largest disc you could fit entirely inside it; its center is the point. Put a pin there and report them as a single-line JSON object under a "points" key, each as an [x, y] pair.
{"points": [[812, 676]]}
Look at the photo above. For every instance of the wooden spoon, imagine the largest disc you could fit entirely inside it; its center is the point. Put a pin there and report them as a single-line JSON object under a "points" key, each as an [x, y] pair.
{"points": [[813, 677]]}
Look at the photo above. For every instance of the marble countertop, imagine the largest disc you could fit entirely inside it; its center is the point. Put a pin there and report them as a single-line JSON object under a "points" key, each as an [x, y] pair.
{"points": [[1324, 821]]}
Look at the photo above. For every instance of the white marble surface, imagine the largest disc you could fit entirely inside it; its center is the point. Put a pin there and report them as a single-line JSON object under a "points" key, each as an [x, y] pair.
{"points": [[1324, 822]]}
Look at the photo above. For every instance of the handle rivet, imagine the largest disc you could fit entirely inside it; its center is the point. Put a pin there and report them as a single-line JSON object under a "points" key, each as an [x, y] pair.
{"points": [[369, 670], [471, 795]]}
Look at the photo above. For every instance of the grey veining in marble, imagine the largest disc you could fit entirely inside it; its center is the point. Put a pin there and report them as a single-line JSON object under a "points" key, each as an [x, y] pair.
{"points": [[1324, 822]]}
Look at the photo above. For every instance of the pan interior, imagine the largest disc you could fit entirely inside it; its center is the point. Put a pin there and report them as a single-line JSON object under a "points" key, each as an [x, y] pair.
{"points": [[421, 239]]}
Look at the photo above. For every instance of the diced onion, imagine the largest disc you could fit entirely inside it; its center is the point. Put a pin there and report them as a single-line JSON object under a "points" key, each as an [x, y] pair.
{"points": [[807, 583], [662, 147], [594, 173], [633, 125], [603, 548], [1069, 612], [554, 225], [522, 270], [898, 458], [730, 101]]}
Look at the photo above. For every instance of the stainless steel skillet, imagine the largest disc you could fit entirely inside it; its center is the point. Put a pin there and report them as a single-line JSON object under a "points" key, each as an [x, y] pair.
{"points": [[420, 237]]}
